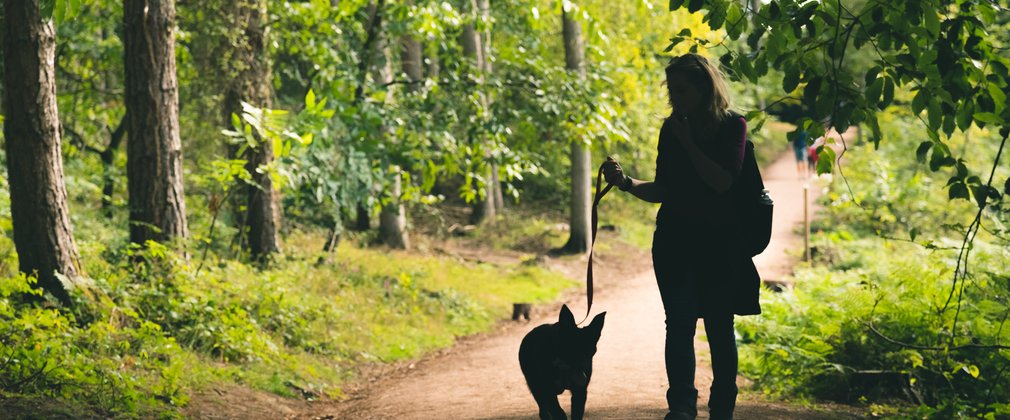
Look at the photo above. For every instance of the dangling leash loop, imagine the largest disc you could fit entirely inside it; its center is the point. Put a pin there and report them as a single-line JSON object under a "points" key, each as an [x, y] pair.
{"points": [[595, 221]]}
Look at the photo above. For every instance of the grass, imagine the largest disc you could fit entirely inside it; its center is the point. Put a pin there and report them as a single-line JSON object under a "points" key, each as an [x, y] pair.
{"points": [[297, 329]]}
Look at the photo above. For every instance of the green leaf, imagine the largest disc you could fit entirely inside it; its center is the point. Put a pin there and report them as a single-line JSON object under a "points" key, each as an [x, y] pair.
{"points": [[998, 97], [931, 22], [888, 93], [873, 90], [971, 370], [958, 190], [676, 4], [734, 16], [919, 102], [825, 158], [695, 5], [964, 115], [871, 74], [935, 116], [988, 117], [310, 99], [1006, 187], [791, 79], [981, 194], [939, 159], [920, 153], [913, 234], [744, 64]]}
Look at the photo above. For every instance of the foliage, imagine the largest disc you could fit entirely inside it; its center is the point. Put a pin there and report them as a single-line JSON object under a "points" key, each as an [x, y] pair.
{"points": [[159, 330], [117, 362], [861, 328]]}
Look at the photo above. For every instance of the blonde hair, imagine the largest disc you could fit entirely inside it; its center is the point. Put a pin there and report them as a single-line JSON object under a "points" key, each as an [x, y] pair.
{"points": [[713, 88]]}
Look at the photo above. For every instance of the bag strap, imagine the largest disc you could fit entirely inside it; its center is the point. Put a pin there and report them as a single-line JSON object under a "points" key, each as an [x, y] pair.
{"points": [[595, 221], [750, 170]]}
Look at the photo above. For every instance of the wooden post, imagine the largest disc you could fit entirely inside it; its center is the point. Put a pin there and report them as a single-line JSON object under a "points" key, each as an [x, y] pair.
{"points": [[806, 221]]}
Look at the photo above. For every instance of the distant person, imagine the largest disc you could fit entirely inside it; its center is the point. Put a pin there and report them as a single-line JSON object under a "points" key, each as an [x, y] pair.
{"points": [[802, 153], [695, 254]]}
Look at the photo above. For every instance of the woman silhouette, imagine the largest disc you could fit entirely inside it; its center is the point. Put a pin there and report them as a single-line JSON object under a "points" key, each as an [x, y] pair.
{"points": [[700, 270]]}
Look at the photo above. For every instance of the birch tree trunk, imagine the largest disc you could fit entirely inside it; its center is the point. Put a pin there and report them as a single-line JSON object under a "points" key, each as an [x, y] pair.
{"points": [[579, 220]]}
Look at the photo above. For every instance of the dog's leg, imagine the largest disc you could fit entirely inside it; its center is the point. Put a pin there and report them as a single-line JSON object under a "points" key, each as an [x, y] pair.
{"points": [[550, 409], [578, 403]]}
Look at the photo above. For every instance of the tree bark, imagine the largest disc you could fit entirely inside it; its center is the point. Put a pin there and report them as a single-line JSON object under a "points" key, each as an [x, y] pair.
{"points": [[475, 48], [249, 71], [108, 156], [411, 60], [43, 235], [154, 150], [495, 190], [575, 58], [392, 218], [434, 68]]}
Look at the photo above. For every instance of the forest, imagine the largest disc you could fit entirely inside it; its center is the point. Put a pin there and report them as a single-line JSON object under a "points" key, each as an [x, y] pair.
{"points": [[273, 194]]}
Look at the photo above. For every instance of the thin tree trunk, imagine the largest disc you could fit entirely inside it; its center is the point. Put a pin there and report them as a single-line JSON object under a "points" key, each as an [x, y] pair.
{"points": [[580, 238], [495, 190], [431, 59], [154, 150], [251, 75], [108, 157], [43, 235], [411, 61], [363, 218], [474, 48], [392, 218]]}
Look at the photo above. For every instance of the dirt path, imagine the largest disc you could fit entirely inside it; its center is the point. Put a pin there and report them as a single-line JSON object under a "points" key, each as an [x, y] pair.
{"points": [[480, 377]]}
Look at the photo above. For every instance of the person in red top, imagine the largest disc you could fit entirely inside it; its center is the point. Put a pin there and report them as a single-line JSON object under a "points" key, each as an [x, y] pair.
{"points": [[700, 270]]}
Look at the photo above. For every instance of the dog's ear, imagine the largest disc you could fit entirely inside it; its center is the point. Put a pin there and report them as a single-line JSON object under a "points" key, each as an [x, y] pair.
{"points": [[566, 318], [595, 328]]}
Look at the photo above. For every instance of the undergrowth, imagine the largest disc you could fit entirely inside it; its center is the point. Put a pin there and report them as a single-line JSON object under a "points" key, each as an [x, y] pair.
{"points": [[876, 319], [151, 328]]}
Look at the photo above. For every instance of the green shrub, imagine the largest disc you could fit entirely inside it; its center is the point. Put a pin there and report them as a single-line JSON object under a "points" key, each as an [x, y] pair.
{"points": [[877, 318]]}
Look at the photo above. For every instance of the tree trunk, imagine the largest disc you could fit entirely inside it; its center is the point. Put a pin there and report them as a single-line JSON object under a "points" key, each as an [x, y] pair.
{"points": [[392, 218], [363, 218], [431, 59], [108, 157], [154, 151], [580, 238], [43, 236], [411, 61], [475, 48], [250, 75], [495, 190]]}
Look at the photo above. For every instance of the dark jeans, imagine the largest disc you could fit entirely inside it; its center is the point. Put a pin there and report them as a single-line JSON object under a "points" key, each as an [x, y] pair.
{"points": [[681, 291]]}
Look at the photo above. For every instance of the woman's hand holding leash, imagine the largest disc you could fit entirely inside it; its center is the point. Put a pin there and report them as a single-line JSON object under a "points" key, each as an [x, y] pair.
{"points": [[614, 174]]}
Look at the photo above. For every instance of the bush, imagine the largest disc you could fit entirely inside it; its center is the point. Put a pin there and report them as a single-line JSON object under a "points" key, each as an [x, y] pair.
{"points": [[878, 317]]}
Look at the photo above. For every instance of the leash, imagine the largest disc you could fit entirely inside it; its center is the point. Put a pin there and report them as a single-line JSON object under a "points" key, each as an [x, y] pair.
{"points": [[595, 221]]}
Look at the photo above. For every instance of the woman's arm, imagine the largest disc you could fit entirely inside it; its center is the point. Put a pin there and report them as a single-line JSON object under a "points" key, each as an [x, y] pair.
{"points": [[711, 172], [647, 190]]}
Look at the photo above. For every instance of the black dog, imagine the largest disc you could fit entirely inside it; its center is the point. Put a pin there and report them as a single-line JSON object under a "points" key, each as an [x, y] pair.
{"points": [[559, 356]]}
